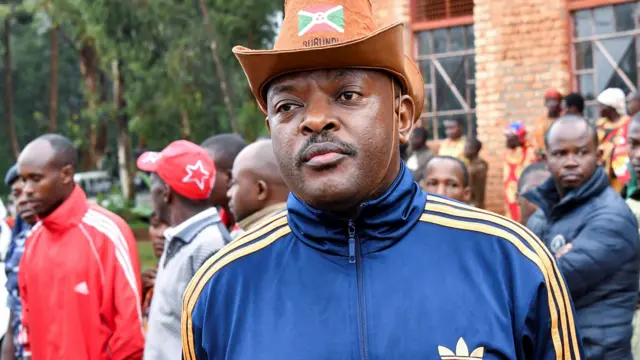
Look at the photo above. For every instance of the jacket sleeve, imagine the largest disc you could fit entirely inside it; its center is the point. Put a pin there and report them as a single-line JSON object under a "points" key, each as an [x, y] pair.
{"points": [[23, 334], [122, 277], [539, 340], [194, 304], [604, 244]]}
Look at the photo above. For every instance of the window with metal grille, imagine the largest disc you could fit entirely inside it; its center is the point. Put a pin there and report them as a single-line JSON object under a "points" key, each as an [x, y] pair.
{"points": [[447, 61], [606, 51], [430, 10]]}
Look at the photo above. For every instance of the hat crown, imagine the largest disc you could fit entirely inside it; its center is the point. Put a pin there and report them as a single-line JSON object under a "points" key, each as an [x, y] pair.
{"points": [[314, 23]]}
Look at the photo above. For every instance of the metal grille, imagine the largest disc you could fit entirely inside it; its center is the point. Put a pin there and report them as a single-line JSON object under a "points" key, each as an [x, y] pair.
{"points": [[606, 43], [447, 63], [431, 10]]}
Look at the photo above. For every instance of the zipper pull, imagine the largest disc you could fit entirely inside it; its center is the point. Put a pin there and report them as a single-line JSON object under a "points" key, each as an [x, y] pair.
{"points": [[352, 242]]}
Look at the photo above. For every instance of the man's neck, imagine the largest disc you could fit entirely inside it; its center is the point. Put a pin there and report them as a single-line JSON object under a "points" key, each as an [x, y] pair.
{"points": [[180, 214]]}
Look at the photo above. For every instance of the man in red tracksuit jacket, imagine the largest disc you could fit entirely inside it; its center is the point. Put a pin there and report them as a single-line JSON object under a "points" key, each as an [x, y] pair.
{"points": [[79, 275]]}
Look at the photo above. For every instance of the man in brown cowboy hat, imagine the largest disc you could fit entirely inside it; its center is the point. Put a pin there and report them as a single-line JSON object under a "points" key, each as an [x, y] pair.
{"points": [[364, 265]]}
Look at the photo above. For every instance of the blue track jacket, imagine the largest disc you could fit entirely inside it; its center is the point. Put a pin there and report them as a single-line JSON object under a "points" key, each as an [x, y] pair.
{"points": [[412, 276]]}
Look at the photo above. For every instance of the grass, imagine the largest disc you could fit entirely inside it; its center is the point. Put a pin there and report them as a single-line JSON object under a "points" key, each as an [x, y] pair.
{"points": [[147, 259]]}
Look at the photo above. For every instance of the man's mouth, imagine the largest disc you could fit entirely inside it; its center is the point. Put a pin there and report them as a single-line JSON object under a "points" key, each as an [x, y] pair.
{"points": [[323, 155]]}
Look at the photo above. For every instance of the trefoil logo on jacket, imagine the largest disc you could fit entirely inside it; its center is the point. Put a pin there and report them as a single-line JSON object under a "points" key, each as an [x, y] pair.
{"points": [[462, 352]]}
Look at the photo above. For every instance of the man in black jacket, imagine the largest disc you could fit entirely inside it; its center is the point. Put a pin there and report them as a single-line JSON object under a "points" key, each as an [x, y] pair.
{"points": [[593, 235]]}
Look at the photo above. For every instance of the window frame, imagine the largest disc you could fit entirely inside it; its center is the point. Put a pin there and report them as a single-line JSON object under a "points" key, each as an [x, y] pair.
{"points": [[431, 25], [574, 6]]}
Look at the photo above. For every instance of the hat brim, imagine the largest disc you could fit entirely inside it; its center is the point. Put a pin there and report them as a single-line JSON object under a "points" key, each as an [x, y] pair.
{"points": [[381, 50], [145, 163]]}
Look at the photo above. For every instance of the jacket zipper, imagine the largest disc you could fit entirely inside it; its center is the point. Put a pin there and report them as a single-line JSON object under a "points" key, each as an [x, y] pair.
{"points": [[355, 256]]}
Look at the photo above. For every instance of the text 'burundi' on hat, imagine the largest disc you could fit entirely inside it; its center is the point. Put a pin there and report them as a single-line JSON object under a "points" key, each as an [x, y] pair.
{"points": [[184, 166], [331, 34]]}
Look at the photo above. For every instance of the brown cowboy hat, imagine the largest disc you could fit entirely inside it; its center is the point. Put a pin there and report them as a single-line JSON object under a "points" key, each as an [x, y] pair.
{"points": [[333, 34]]}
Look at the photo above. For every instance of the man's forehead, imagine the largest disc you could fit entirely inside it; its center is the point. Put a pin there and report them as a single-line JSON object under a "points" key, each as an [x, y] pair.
{"points": [[285, 82]]}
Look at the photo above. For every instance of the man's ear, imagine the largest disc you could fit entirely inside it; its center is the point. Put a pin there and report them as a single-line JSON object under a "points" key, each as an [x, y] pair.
{"points": [[67, 174], [266, 121], [263, 190], [405, 111], [600, 153], [466, 194], [167, 194]]}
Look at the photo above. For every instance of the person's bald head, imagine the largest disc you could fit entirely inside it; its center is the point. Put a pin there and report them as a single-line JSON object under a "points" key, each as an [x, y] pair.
{"points": [[256, 180], [46, 166]]}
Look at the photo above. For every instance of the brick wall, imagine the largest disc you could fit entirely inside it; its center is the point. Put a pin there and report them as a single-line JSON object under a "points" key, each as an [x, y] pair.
{"points": [[390, 11], [521, 50]]}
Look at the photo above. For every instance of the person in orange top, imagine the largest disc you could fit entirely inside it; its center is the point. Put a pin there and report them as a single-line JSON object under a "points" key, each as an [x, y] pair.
{"points": [[552, 101], [612, 136], [519, 155], [453, 145]]}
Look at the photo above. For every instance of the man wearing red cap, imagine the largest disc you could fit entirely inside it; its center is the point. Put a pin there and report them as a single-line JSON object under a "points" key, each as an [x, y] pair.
{"points": [[553, 103], [519, 155], [182, 179]]}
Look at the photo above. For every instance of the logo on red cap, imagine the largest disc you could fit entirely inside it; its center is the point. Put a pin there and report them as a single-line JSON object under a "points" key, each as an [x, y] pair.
{"points": [[197, 174]]}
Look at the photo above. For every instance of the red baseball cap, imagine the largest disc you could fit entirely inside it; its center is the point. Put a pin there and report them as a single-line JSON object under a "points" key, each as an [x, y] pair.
{"points": [[184, 166]]}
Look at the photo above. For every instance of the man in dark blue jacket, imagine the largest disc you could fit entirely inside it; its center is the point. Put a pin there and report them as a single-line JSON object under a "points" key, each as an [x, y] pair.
{"points": [[363, 264], [593, 234]]}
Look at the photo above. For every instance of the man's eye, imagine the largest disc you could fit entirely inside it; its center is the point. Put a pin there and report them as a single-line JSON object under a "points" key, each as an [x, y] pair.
{"points": [[348, 96], [286, 107]]}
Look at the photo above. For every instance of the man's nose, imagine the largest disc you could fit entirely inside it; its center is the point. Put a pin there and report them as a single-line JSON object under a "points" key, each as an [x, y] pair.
{"points": [[318, 116]]}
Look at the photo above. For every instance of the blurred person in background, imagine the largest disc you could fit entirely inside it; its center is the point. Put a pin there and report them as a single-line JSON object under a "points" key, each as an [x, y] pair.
{"points": [[553, 105], [612, 136], [447, 176], [453, 145], [420, 152], [633, 103], [79, 275], [478, 169], [573, 105], [223, 149], [25, 219], [593, 235], [532, 176], [257, 189], [519, 155], [182, 180], [156, 234]]}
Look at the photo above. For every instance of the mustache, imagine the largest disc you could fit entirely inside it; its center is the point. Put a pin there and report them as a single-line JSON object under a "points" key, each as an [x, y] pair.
{"points": [[324, 137]]}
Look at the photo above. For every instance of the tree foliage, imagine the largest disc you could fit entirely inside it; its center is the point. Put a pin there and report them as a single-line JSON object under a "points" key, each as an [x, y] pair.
{"points": [[166, 63]]}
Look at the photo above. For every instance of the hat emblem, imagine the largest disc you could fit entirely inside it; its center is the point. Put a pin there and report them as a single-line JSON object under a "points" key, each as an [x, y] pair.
{"points": [[321, 18], [196, 174]]}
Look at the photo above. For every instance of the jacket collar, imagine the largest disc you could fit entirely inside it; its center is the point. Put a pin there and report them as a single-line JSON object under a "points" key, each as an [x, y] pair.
{"points": [[547, 198], [379, 224], [69, 213], [247, 223], [190, 228]]}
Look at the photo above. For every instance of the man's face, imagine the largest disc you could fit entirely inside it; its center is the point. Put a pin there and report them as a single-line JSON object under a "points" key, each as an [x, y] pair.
{"points": [[336, 134], [512, 141], [156, 232], [218, 196], [572, 155], [445, 177], [634, 106], [159, 199], [244, 193], [22, 206], [533, 180], [606, 111], [470, 151], [43, 178], [452, 129], [633, 146], [553, 106]]}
